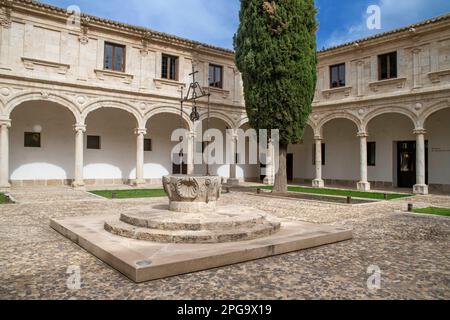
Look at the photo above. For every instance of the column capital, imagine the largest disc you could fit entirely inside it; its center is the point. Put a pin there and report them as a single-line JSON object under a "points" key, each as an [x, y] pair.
{"points": [[418, 131], [318, 138], [5, 122], [140, 131], [80, 127], [363, 134]]}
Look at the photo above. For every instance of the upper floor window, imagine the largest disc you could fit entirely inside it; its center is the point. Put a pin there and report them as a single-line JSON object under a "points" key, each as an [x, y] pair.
{"points": [[215, 76], [337, 75], [387, 66], [169, 67], [114, 57]]}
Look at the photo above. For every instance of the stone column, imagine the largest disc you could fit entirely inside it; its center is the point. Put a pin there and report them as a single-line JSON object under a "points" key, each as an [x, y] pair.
{"points": [[318, 181], [4, 154], [420, 187], [233, 181], [270, 174], [140, 133], [80, 129], [416, 68], [363, 184], [190, 153]]}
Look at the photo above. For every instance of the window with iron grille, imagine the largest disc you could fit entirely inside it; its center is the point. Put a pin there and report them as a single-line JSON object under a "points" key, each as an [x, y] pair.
{"points": [[32, 140]]}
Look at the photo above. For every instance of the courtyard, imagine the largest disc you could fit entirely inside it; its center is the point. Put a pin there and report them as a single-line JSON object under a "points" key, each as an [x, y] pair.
{"points": [[410, 249]]}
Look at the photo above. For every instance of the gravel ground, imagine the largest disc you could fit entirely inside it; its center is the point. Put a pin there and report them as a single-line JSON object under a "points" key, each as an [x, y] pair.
{"points": [[412, 252]]}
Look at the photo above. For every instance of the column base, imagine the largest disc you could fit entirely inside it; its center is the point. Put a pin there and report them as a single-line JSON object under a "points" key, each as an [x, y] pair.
{"points": [[318, 183], [139, 183], [363, 186], [233, 182], [269, 181], [421, 189], [5, 187], [78, 185]]}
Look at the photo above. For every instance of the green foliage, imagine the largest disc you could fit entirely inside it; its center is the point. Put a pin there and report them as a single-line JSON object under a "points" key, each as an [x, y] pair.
{"points": [[435, 211], [344, 193], [129, 194], [276, 54]]}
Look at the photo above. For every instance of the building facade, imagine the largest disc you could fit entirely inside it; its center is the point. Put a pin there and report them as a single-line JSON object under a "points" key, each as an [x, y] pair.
{"points": [[88, 101]]}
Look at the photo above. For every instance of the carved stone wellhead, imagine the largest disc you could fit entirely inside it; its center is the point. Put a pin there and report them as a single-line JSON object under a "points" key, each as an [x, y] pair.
{"points": [[190, 193]]}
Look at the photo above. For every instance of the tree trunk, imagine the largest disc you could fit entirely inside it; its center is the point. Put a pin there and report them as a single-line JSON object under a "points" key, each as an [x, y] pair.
{"points": [[280, 185]]}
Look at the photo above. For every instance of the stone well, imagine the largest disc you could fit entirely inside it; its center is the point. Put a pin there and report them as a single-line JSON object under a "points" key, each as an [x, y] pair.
{"points": [[193, 216]]}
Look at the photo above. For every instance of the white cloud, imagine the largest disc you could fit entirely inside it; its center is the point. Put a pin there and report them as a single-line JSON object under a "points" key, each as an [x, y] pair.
{"points": [[394, 14]]}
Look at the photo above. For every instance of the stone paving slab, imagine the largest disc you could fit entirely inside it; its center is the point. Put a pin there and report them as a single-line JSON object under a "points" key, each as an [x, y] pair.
{"points": [[144, 261]]}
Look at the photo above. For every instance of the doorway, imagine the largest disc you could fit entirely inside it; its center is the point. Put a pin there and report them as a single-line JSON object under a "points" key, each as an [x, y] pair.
{"points": [[406, 164], [290, 167]]}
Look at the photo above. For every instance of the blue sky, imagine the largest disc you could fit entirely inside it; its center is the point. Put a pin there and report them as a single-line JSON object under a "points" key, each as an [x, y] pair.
{"points": [[215, 21]]}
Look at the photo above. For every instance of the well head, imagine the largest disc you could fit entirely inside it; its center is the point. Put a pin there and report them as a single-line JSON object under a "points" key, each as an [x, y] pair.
{"points": [[192, 193]]}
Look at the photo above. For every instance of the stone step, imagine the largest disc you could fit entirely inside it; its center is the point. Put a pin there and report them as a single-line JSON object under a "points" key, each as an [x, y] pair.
{"points": [[192, 222], [123, 229]]}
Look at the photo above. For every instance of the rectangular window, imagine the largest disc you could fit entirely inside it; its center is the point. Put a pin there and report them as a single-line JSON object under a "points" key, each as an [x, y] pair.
{"points": [[114, 57], [337, 75], [93, 142], [32, 140], [147, 144], [169, 67], [387, 66], [215, 76], [371, 153], [314, 154]]}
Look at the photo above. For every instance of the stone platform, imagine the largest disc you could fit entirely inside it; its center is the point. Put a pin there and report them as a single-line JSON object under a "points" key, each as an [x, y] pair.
{"points": [[144, 260], [225, 224]]}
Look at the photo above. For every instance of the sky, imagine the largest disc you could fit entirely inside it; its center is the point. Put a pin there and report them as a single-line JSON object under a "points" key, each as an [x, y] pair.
{"points": [[215, 21]]}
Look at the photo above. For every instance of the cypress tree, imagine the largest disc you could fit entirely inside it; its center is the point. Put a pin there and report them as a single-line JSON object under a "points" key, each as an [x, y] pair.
{"points": [[276, 54]]}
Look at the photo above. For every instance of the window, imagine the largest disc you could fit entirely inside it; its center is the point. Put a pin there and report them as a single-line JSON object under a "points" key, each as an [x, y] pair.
{"points": [[215, 76], [114, 57], [314, 154], [147, 144], [371, 153], [337, 76], [169, 67], [32, 140], [387, 66], [93, 142]]}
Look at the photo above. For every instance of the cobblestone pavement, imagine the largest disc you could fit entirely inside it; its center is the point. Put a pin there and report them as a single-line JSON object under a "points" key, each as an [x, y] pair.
{"points": [[411, 250]]}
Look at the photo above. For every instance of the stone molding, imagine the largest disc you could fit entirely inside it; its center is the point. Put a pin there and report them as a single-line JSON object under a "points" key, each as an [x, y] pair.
{"points": [[397, 82], [345, 90], [102, 74], [435, 77], [31, 63]]}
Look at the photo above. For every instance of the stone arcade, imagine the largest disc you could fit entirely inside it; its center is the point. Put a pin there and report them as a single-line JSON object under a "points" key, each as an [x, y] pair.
{"points": [[70, 117]]}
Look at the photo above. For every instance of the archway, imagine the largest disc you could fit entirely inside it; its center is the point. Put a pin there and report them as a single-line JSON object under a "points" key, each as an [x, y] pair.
{"points": [[157, 154], [42, 145], [110, 146], [438, 134], [303, 158], [340, 152], [390, 138]]}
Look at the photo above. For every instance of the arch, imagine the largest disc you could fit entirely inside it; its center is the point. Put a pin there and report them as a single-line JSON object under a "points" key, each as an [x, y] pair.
{"points": [[42, 96], [112, 104], [220, 116], [338, 115], [386, 110], [167, 109], [430, 111], [243, 121]]}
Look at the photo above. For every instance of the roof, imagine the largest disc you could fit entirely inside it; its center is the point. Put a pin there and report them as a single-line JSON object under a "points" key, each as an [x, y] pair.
{"points": [[162, 35], [123, 26], [391, 32]]}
